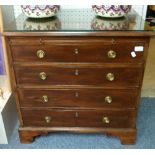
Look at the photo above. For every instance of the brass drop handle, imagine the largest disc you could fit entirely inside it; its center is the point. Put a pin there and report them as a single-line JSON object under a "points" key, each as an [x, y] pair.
{"points": [[42, 76], [76, 51], [48, 119], [108, 99], [110, 77], [105, 120], [45, 98], [111, 54], [40, 54]]}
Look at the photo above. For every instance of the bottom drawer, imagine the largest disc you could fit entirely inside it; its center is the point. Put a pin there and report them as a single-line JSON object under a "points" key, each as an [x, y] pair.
{"points": [[106, 118], [63, 118], [79, 118]]}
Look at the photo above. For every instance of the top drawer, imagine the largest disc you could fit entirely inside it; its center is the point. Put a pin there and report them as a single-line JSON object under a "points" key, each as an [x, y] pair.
{"points": [[78, 50]]}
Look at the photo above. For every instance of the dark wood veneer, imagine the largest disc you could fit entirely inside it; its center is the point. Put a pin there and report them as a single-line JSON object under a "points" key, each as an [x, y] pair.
{"points": [[79, 118], [73, 98], [68, 111], [62, 118], [126, 136], [87, 51], [86, 76]]}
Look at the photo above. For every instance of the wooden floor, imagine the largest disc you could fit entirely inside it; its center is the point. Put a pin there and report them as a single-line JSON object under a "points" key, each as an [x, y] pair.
{"points": [[148, 89]]}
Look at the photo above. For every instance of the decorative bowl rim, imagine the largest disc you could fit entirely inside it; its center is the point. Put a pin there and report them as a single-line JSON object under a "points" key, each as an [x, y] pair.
{"points": [[38, 7], [112, 7]]}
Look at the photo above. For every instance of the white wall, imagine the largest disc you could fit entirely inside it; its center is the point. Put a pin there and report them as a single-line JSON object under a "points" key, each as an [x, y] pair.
{"points": [[8, 13]]}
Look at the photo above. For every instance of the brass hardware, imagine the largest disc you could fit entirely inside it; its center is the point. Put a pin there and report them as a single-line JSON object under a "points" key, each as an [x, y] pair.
{"points": [[45, 98], [111, 54], [40, 41], [113, 41], [40, 54], [110, 77], [76, 114], [76, 51], [1, 93], [108, 99], [76, 72], [105, 120], [48, 119], [43, 75], [76, 94]]}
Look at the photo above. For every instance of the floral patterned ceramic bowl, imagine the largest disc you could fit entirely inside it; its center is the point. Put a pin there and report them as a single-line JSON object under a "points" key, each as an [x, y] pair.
{"points": [[42, 24], [40, 11], [111, 11], [109, 24]]}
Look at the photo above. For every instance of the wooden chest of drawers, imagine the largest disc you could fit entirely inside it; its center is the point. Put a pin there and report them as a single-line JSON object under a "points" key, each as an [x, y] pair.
{"points": [[78, 84]]}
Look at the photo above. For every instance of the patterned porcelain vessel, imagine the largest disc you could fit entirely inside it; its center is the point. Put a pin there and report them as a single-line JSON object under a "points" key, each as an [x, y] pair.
{"points": [[42, 24], [40, 11], [111, 11], [109, 24]]}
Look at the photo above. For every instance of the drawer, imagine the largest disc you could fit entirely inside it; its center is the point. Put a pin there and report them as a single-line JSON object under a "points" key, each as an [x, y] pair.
{"points": [[79, 118], [75, 98], [57, 118], [97, 50], [106, 118], [44, 53], [107, 77]]}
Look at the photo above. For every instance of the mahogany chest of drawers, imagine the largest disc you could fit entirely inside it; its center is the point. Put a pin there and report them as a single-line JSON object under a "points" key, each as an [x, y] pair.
{"points": [[77, 83]]}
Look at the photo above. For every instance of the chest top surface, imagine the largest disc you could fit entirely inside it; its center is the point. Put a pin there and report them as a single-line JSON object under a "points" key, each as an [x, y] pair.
{"points": [[79, 21]]}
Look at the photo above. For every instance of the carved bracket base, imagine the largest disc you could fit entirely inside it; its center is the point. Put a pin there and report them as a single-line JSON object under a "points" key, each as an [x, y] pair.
{"points": [[126, 136]]}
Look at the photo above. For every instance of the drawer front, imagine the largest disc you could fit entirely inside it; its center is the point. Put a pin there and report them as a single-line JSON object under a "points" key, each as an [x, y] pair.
{"points": [[43, 53], [83, 98], [108, 77], [79, 51], [79, 118], [57, 118], [108, 119]]}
